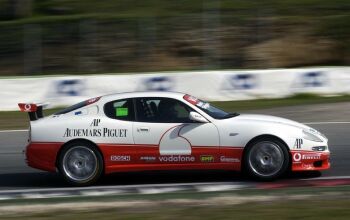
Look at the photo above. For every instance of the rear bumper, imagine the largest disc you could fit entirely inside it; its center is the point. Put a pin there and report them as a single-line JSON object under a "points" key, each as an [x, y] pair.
{"points": [[42, 155], [310, 160]]}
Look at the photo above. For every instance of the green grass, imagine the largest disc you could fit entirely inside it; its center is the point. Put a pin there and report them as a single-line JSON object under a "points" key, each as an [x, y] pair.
{"points": [[20, 120], [295, 191], [230, 10], [17, 119], [330, 203], [318, 210], [164, 7], [302, 99]]}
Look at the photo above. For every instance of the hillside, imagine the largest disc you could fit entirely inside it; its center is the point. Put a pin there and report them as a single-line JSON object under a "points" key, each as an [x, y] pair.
{"points": [[71, 36]]}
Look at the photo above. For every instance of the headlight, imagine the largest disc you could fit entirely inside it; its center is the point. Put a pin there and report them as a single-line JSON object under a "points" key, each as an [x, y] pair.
{"points": [[319, 148], [311, 137]]}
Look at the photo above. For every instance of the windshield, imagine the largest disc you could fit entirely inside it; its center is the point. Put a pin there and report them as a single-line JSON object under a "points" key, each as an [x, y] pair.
{"points": [[208, 108]]}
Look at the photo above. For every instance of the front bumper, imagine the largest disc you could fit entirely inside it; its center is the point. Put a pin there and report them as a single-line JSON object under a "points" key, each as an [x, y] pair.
{"points": [[310, 160]]}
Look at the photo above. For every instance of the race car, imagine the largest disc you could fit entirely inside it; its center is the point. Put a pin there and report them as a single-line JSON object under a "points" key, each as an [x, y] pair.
{"points": [[166, 131]]}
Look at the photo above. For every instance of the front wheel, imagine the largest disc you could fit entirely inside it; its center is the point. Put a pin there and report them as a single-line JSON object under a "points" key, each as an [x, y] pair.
{"points": [[80, 163], [266, 159]]}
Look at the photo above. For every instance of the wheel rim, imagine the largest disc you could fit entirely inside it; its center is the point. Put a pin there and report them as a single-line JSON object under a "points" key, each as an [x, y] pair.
{"points": [[266, 158], [80, 163]]}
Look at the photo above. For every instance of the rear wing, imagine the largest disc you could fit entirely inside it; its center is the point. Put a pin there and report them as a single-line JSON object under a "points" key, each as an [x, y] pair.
{"points": [[35, 110]]}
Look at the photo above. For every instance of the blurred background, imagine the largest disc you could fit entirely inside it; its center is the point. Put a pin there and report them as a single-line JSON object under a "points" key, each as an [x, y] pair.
{"points": [[258, 46], [91, 36]]}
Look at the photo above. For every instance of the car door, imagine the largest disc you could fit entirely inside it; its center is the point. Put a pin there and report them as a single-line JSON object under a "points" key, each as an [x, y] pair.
{"points": [[116, 139], [163, 125]]}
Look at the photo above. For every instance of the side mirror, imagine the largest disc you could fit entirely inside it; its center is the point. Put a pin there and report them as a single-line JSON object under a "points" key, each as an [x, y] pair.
{"points": [[194, 116]]}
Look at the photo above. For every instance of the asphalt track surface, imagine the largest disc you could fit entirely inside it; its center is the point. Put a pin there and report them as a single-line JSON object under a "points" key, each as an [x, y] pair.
{"points": [[14, 173]]}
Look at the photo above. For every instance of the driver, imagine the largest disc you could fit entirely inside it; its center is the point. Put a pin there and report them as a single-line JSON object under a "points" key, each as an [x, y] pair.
{"points": [[167, 110]]}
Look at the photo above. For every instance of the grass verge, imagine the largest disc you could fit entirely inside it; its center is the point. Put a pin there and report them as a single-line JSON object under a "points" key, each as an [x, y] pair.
{"points": [[302, 99], [305, 203], [19, 120], [331, 209]]}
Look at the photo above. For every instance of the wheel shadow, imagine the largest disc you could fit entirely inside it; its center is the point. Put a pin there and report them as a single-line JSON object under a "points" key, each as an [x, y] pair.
{"points": [[54, 180], [168, 177], [303, 175], [30, 180]]}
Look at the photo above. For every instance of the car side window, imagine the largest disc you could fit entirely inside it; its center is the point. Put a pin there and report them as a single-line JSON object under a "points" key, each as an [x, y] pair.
{"points": [[120, 109], [162, 110]]}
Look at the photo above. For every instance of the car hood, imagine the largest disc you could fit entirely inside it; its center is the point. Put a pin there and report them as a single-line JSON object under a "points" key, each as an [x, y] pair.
{"points": [[271, 119]]}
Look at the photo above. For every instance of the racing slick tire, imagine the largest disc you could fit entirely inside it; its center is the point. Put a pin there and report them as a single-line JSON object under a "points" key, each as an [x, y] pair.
{"points": [[80, 163], [266, 159]]}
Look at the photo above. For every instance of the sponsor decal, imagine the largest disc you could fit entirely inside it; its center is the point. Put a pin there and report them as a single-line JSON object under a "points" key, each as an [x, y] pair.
{"points": [[122, 112], [240, 81], [311, 157], [69, 87], [148, 158], [233, 134], [92, 100], [229, 159], [94, 131], [159, 83], [307, 166], [244, 81], [120, 158], [314, 79], [207, 158], [311, 80], [95, 122], [196, 102], [27, 107], [177, 158], [298, 143], [191, 99], [297, 157]]}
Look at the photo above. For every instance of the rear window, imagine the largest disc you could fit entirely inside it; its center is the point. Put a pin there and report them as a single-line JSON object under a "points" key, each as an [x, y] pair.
{"points": [[120, 109], [77, 106]]}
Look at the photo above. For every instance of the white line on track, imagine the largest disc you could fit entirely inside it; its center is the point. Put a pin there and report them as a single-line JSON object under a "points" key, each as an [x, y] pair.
{"points": [[9, 131], [329, 178], [141, 189], [118, 187], [327, 122], [151, 190]]}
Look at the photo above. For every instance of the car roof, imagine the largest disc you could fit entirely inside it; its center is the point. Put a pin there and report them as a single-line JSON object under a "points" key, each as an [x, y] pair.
{"points": [[175, 95]]}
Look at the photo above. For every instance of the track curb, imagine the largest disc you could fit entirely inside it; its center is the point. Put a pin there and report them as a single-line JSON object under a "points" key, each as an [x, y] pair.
{"points": [[167, 188]]}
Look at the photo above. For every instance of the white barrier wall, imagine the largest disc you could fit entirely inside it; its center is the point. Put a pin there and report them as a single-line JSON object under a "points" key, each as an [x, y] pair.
{"points": [[207, 85]]}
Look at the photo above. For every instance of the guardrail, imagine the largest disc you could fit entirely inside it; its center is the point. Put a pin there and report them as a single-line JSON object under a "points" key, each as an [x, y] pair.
{"points": [[209, 85]]}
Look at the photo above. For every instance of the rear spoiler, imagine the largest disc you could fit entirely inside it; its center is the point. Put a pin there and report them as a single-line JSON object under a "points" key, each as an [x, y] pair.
{"points": [[35, 110]]}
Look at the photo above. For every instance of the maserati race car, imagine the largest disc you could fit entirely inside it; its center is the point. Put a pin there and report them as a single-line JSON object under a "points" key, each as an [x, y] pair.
{"points": [[166, 131]]}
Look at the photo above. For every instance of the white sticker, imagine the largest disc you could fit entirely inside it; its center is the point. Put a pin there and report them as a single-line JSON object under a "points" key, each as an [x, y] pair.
{"points": [[297, 157]]}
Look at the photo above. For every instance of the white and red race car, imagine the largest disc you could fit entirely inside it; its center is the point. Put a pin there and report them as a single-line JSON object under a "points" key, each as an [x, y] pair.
{"points": [[166, 131]]}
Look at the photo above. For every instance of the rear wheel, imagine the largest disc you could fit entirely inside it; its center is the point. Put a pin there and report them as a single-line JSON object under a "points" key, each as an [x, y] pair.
{"points": [[266, 159], [80, 163]]}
